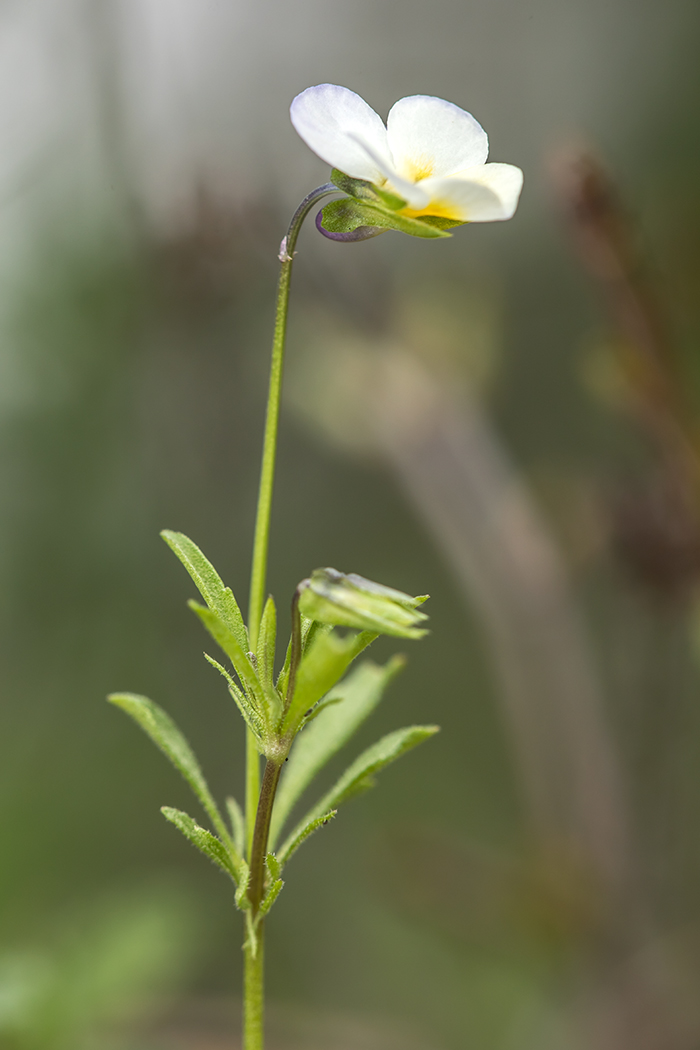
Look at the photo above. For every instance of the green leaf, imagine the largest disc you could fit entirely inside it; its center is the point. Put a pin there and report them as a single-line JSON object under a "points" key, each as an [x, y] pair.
{"points": [[206, 579], [235, 815], [226, 639], [322, 665], [349, 600], [171, 741], [269, 899], [359, 776], [251, 716], [361, 691], [266, 644], [205, 842], [301, 834], [273, 866], [348, 214]]}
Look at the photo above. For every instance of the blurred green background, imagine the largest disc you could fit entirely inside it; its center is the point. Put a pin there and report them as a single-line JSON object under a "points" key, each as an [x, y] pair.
{"points": [[148, 174]]}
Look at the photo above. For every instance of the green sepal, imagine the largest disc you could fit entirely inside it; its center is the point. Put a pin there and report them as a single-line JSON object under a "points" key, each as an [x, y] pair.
{"points": [[323, 663], [301, 834], [266, 644], [206, 579], [359, 776], [251, 716], [348, 214], [269, 899], [360, 692], [172, 742], [206, 843], [366, 191], [349, 600]]}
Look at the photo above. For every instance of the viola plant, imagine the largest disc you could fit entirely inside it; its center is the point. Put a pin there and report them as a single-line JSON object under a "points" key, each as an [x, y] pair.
{"points": [[421, 174]]}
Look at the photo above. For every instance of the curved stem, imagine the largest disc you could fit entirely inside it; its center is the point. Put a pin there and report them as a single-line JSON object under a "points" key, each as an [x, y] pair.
{"points": [[256, 808], [267, 472]]}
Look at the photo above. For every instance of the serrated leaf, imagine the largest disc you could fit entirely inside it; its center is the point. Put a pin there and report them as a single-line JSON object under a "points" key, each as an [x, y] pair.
{"points": [[250, 714], [361, 691], [206, 579], [269, 899], [348, 214], [235, 816], [205, 842], [301, 834], [267, 637], [359, 776], [323, 663], [172, 742]]}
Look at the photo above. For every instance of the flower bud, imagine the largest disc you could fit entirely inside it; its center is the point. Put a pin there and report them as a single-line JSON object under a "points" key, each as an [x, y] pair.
{"points": [[350, 600]]}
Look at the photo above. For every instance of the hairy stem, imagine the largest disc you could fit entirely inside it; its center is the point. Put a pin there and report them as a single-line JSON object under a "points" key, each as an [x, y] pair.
{"points": [[254, 992], [268, 790]]}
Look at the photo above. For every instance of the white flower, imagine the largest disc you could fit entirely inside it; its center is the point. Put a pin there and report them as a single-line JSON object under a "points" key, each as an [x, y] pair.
{"points": [[431, 153]]}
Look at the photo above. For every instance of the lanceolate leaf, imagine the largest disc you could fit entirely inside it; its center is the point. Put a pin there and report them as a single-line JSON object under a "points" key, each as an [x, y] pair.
{"points": [[250, 714], [324, 662], [266, 644], [171, 741], [270, 898], [225, 638], [360, 775], [220, 599], [301, 834], [361, 691], [205, 842]]}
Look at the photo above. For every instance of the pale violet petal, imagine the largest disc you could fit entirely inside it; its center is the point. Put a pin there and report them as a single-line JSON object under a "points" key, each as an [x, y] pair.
{"points": [[485, 193], [429, 137], [335, 122], [415, 196]]}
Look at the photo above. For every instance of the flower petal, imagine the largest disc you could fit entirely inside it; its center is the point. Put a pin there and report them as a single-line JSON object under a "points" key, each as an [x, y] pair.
{"points": [[486, 193], [429, 137], [335, 122]]}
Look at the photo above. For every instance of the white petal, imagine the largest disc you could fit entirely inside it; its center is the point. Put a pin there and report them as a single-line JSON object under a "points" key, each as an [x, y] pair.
{"points": [[334, 122], [487, 193], [412, 192], [431, 137]]}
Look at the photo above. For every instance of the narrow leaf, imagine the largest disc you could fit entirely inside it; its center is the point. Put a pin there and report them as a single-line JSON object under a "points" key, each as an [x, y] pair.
{"points": [[350, 600], [301, 834], [226, 639], [171, 741], [361, 691], [219, 598], [359, 776], [205, 842], [273, 866], [266, 643], [250, 714], [269, 898], [235, 815], [324, 662]]}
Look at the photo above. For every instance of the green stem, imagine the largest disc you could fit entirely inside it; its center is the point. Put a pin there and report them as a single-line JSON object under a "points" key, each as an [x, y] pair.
{"points": [[267, 472], [253, 981], [254, 992], [256, 883]]}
